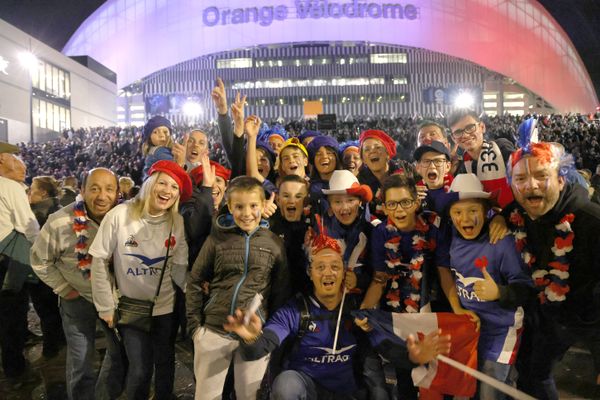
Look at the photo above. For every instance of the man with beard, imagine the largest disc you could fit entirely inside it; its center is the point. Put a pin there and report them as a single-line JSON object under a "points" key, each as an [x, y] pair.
{"points": [[556, 229]]}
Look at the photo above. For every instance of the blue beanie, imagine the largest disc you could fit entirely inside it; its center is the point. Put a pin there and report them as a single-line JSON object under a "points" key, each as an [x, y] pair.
{"points": [[154, 123], [317, 143], [307, 134], [260, 144], [346, 145]]}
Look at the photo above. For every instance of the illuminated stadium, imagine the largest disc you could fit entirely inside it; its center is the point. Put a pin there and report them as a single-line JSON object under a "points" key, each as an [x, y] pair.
{"points": [[355, 57]]}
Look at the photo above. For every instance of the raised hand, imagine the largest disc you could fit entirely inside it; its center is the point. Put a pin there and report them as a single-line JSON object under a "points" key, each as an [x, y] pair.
{"points": [[270, 207], [237, 113], [208, 170], [487, 289], [219, 97], [252, 126], [426, 350], [179, 150]]}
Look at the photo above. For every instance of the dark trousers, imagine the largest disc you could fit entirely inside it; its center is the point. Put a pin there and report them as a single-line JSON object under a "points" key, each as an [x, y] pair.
{"points": [[45, 303], [148, 352], [13, 325], [544, 344]]}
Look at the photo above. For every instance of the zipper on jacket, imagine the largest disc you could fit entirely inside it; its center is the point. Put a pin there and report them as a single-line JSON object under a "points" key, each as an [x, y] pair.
{"points": [[241, 281]]}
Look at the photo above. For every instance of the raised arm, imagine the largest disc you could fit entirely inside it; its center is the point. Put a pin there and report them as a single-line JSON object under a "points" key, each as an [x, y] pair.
{"points": [[252, 127]]}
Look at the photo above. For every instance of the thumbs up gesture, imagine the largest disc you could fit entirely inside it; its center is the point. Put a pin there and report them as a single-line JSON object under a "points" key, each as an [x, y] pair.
{"points": [[270, 207], [486, 289]]}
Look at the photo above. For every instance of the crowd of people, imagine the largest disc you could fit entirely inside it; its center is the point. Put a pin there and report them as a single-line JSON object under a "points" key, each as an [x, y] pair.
{"points": [[278, 250]]}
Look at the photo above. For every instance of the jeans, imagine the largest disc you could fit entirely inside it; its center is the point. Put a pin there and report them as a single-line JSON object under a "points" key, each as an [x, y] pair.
{"points": [[79, 324], [506, 373], [45, 303], [291, 385], [13, 325], [148, 352]]}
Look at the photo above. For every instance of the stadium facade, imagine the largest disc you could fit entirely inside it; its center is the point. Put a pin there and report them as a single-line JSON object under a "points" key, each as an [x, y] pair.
{"points": [[43, 92], [172, 48]]}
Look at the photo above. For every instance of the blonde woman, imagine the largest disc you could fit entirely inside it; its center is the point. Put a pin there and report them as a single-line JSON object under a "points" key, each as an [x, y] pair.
{"points": [[135, 235]]}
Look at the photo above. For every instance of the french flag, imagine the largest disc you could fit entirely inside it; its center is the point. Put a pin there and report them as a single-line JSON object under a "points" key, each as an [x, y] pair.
{"points": [[436, 378]]}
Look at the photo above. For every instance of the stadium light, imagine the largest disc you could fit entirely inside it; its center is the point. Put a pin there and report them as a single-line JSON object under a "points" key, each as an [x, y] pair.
{"points": [[464, 100], [191, 109], [28, 61]]}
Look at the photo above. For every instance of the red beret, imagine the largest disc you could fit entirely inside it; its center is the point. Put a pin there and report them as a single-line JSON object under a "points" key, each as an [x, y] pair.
{"points": [[388, 142], [178, 174], [197, 173]]}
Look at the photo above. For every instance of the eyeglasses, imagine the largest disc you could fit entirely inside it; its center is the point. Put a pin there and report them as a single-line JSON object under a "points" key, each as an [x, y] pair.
{"points": [[467, 129], [404, 203], [438, 162]]}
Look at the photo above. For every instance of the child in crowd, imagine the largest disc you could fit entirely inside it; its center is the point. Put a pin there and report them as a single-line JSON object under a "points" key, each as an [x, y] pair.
{"points": [[405, 248], [290, 224], [293, 159], [158, 144], [350, 155], [487, 281], [323, 156], [239, 259]]}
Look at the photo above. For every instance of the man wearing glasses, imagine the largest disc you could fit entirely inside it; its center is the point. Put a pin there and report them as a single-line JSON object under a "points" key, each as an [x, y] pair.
{"points": [[485, 159]]}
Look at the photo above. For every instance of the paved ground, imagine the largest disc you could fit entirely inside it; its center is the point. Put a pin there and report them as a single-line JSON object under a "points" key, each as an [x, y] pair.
{"points": [[575, 376]]}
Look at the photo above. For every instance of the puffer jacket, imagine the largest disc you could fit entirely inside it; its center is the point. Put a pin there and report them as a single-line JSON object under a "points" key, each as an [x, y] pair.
{"points": [[236, 265]]}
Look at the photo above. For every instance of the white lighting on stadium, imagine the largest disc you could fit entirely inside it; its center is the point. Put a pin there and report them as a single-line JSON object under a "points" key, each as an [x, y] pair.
{"points": [[191, 109], [464, 100], [28, 61]]}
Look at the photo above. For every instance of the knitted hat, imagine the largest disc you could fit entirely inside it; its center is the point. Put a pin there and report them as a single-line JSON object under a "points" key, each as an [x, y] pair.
{"points": [[435, 146], [274, 131], [388, 142], [352, 145], [468, 186], [317, 143], [154, 123], [344, 182], [173, 169], [309, 134], [197, 173], [268, 150], [294, 142]]}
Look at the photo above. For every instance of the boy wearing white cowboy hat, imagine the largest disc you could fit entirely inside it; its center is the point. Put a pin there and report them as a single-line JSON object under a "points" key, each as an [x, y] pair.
{"points": [[486, 281]]}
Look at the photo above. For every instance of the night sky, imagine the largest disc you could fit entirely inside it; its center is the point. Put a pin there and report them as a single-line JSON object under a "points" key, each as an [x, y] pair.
{"points": [[54, 21]]}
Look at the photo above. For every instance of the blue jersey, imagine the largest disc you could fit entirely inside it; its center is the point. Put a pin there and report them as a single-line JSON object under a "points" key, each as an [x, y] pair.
{"points": [[314, 354], [500, 327], [394, 252]]}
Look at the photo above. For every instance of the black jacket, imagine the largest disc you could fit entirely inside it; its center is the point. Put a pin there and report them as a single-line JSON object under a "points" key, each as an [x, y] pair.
{"points": [[582, 302]]}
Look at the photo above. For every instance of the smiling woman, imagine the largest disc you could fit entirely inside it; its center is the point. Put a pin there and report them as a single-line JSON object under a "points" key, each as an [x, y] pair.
{"points": [[138, 235]]}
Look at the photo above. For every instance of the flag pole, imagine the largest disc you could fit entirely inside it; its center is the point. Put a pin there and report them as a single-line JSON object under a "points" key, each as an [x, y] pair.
{"points": [[339, 318], [501, 386]]}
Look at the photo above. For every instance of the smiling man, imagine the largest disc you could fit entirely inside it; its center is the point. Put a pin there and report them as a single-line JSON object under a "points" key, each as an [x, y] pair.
{"points": [[59, 261], [556, 228], [486, 159]]}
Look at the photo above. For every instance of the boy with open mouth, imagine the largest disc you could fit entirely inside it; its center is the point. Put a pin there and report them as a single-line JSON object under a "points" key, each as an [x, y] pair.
{"points": [[488, 282]]}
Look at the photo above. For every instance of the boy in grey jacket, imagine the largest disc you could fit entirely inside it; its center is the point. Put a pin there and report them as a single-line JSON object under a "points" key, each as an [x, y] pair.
{"points": [[240, 258]]}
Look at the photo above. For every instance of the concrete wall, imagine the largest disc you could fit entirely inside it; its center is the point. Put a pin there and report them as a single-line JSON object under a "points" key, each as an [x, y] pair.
{"points": [[93, 98]]}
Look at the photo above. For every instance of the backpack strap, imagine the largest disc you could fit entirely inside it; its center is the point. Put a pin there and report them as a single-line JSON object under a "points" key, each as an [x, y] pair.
{"points": [[305, 316]]}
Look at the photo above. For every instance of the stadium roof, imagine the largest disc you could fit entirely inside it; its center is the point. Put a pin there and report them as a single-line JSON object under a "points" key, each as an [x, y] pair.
{"points": [[517, 38]]}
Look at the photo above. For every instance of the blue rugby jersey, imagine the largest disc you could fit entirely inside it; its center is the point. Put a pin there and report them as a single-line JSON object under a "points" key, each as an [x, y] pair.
{"points": [[314, 355], [500, 327]]}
